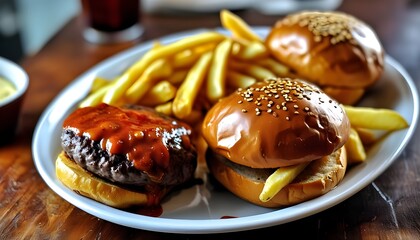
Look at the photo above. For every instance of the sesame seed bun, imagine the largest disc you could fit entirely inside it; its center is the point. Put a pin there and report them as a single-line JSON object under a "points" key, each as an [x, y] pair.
{"points": [[318, 178], [276, 123], [330, 49]]}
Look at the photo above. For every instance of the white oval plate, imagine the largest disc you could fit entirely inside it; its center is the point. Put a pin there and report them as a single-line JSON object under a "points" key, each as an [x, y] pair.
{"points": [[201, 209]]}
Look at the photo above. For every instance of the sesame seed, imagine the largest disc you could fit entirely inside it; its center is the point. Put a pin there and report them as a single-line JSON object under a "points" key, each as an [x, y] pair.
{"points": [[337, 26], [244, 110], [291, 92]]}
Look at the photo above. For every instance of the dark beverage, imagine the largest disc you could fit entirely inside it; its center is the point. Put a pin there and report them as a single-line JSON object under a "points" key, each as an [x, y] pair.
{"points": [[111, 20], [111, 15]]}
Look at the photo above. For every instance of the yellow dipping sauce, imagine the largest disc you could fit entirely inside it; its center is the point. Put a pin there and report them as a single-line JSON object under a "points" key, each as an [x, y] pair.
{"points": [[6, 89]]}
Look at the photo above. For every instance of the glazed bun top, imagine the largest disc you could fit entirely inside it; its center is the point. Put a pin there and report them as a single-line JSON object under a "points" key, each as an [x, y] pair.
{"points": [[328, 48], [274, 123]]}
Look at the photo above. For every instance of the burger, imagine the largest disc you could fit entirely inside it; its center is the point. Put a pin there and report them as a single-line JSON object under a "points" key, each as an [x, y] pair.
{"points": [[124, 156], [334, 50], [275, 124]]}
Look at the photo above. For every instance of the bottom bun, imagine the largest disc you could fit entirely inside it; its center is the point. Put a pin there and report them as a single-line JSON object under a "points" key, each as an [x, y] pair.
{"points": [[86, 184], [346, 96], [318, 178]]}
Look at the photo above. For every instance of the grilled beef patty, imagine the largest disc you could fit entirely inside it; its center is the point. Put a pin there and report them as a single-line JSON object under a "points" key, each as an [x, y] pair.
{"points": [[133, 146]]}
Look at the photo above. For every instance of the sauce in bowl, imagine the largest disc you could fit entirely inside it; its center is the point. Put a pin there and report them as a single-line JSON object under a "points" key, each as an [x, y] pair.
{"points": [[6, 89]]}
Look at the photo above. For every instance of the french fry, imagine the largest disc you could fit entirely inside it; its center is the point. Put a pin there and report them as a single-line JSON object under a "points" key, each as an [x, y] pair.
{"points": [[165, 108], [375, 118], [277, 68], [279, 179], [252, 70], [237, 26], [185, 58], [95, 97], [217, 73], [355, 150], [249, 50], [135, 71], [160, 93], [158, 69], [98, 83], [239, 80], [177, 77], [187, 92], [367, 136]]}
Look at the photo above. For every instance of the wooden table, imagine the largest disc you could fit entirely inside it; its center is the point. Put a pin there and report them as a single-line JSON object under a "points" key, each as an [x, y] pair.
{"points": [[389, 208]]}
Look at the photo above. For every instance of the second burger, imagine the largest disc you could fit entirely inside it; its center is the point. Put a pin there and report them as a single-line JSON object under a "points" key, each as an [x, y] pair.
{"points": [[271, 125]]}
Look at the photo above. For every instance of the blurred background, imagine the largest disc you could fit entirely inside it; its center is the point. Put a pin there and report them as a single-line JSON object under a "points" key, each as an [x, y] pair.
{"points": [[26, 25]]}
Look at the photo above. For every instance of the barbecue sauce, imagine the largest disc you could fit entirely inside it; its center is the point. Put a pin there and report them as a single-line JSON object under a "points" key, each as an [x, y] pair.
{"points": [[139, 134]]}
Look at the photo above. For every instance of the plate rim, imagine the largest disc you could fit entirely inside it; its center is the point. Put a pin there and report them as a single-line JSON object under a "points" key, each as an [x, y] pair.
{"points": [[204, 226]]}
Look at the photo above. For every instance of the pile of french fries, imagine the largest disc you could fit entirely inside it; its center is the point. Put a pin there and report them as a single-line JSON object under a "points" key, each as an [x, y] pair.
{"points": [[184, 78]]}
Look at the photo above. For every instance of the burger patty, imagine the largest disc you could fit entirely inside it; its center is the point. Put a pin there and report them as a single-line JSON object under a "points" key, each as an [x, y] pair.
{"points": [[118, 168]]}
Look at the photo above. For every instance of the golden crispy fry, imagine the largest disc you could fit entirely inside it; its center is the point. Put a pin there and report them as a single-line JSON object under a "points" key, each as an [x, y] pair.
{"points": [[165, 108], [177, 77], [239, 80], [188, 57], [355, 150], [98, 83], [237, 26], [276, 67], [367, 136], [375, 118], [160, 93], [137, 69], [185, 58], [217, 74], [279, 179], [187, 92], [252, 70], [95, 97], [158, 69], [205, 48], [249, 50]]}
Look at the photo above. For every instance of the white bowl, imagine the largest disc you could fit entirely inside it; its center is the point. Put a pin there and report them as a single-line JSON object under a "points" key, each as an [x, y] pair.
{"points": [[11, 105]]}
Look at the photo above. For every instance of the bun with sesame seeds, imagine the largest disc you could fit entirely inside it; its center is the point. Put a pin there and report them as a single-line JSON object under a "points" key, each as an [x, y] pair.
{"points": [[271, 124], [331, 49]]}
